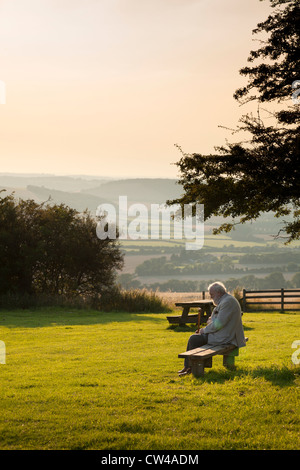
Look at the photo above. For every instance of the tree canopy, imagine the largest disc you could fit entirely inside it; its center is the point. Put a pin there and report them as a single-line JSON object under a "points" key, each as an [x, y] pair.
{"points": [[262, 173]]}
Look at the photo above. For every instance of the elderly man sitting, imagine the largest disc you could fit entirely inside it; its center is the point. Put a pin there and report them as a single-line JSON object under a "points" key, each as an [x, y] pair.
{"points": [[224, 326]]}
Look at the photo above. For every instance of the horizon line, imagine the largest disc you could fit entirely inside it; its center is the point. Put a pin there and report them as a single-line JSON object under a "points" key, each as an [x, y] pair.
{"points": [[76, 175]]}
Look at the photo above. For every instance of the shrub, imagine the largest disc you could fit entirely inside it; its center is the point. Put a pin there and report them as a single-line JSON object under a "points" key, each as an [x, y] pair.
{"points": [[133, 300]]}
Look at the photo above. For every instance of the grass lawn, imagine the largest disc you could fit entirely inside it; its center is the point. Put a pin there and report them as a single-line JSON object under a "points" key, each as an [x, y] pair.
{"points": [[77, 379]]}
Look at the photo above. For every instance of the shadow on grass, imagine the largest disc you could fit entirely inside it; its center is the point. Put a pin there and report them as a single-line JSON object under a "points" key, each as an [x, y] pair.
{"points": [[51, 316], [280, 376], [182, 328]]}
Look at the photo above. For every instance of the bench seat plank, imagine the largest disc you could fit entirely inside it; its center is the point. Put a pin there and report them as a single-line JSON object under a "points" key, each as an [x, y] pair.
{"points": [[208, 350]]}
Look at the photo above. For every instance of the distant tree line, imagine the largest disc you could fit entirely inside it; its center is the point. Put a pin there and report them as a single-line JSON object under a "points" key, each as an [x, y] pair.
{"points": [[270, 258], [161, 267], [224, 265], [53, 250], [274, 280]]}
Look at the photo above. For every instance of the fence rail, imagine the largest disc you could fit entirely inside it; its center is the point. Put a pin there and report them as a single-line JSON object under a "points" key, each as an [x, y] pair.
{"points": [[261, 297]]}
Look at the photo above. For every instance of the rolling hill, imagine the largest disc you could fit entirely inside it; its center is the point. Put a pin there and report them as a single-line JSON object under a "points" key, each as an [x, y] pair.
{"points": [[138, 190]]}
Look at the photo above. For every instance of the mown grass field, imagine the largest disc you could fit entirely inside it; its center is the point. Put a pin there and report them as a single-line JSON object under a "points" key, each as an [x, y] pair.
{"points": [[77, 379]]}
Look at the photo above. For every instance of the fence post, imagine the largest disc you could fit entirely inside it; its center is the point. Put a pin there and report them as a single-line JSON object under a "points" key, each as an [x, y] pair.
{"points": [[244, 300], [282, 299]]}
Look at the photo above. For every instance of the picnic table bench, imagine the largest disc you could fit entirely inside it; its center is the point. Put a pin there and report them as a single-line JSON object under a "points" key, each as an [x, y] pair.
{"points": [[200, 358], [205, 305]]}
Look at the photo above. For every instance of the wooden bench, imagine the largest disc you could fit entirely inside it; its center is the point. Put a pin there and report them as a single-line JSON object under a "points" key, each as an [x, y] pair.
{"points": [[200, 358], [205, 305]]}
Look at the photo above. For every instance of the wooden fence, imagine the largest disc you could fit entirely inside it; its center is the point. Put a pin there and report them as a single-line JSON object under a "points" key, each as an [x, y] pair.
{"points": [[282, 298]]}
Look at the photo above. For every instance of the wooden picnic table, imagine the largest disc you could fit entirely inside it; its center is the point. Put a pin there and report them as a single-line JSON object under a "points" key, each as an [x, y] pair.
{"points": [[206, 311]]}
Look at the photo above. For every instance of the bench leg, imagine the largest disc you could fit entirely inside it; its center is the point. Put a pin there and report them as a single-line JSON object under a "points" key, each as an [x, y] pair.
{"points": [[198, 369], [184, 316], [205, 313], [198, 366], [228, 361]]}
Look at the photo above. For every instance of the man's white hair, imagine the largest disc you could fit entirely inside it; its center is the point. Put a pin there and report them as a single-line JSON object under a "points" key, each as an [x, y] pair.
{"points": [[217, 287]]}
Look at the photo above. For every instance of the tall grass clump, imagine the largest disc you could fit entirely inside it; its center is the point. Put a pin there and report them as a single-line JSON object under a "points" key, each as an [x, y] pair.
{"points": [[133, 300], [113, 299]]}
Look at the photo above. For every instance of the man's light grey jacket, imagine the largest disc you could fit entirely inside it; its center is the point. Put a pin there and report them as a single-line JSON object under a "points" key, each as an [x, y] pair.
{"points": [[225, 324]]}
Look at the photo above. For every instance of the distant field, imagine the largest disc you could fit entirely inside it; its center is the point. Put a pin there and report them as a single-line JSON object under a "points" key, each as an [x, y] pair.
{"points": [[77, 379], [133, 258], [218, 241], [172, 297]]}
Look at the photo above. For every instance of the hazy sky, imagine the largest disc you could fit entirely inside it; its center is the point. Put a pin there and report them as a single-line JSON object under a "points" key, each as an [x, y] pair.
{"points": [[107, 87]]}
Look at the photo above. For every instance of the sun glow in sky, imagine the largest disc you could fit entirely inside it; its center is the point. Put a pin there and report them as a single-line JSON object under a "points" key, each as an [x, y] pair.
{"points": [[107, 87]]}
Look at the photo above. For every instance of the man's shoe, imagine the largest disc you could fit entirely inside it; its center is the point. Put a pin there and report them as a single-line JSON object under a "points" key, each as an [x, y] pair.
{"points": [[185, 372]]}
